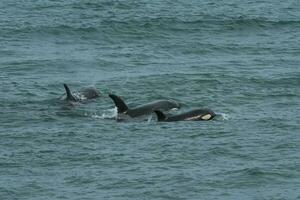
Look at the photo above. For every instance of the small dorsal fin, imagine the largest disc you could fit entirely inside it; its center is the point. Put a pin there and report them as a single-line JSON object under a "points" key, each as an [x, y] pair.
{"points": [[160, 115], [70, 97], [120, 104]]}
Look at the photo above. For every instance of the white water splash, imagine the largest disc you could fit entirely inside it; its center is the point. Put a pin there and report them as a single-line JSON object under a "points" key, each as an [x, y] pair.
{"points": [[107, 114], [79, 96], [149, 119], [224, 116]]}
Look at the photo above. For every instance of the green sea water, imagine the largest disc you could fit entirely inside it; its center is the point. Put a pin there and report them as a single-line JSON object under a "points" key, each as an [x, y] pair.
{"points": [[238, 58]]}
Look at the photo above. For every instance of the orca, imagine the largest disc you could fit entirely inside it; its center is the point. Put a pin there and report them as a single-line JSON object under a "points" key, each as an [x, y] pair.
{"points": [[142, 109], [192, 115], [84, 94]]}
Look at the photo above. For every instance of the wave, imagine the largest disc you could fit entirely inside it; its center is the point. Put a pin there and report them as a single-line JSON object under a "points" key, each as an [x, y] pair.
{"points": [[290, 80], [148, 24], [53, 30]]}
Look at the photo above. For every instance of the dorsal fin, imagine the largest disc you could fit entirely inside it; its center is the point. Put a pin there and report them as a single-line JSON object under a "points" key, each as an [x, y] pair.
{"points": [[160, 115], [70, 97], [120, 104]]}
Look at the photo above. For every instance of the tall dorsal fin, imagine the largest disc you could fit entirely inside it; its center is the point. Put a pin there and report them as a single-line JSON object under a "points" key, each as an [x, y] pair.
{"points": [[160, 115], [70, 97], [120, 104]]}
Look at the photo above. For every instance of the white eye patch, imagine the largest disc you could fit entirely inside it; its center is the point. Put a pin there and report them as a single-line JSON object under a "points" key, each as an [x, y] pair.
{"points": [[206, 117], [199, 117]]}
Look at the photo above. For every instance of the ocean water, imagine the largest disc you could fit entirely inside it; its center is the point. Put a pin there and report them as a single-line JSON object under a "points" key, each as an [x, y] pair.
{"points": [[238, 58]]}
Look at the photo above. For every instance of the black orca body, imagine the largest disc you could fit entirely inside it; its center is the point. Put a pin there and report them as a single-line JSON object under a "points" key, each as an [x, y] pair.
{"points": [[143, 109], [193, 115], [84, 94]]}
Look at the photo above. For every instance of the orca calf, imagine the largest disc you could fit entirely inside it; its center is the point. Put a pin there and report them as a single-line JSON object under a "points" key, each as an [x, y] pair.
{"points": [[193, 115], [142, 109], [84, 94]]}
